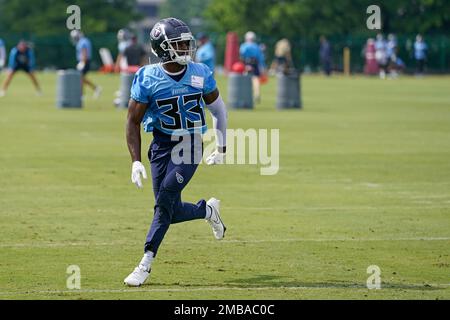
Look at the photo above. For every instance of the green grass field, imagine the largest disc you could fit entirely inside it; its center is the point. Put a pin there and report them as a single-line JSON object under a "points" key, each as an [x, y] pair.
{"points": [[364, 180]]}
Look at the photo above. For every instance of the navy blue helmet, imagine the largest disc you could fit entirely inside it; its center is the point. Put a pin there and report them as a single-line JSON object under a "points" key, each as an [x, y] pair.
{"points": [[172, 41]]}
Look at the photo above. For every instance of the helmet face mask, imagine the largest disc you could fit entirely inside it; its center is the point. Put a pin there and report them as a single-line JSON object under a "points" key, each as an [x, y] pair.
{"points": [[181, 50], [172, 41]]}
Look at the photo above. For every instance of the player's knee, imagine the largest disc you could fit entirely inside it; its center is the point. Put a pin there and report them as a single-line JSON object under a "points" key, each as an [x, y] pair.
{"points": [[166, 200]]}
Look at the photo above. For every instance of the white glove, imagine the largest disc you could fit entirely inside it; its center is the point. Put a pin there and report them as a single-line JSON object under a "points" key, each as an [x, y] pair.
{"points": [[216, 158], [136, 170], [80, 66]]}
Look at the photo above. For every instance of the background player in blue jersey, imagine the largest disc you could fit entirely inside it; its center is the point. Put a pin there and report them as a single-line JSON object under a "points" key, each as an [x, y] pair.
{"points": [[253, 58], [169, 99], [205, 53], [83, 48], [420, 54], [22, 58]]}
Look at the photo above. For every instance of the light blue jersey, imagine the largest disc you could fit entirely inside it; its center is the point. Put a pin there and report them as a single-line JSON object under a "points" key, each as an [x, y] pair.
{"points": [[84, 43], [251, 51], [173, 106], [205, 54], [420, 50]]}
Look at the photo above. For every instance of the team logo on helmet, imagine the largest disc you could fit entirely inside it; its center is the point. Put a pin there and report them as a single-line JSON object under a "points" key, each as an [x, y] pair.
{"points": [[156, 33]]}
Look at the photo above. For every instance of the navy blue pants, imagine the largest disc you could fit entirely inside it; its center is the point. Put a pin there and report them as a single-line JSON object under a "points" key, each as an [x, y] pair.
{"points": [[169, 178]]}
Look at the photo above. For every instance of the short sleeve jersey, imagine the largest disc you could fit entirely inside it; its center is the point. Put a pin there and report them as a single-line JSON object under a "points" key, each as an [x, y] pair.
{"points": [[173, 107], [84, 43]]}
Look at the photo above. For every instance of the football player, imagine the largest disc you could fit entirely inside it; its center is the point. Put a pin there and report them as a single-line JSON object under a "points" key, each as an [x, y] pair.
{"points": [[168, 98], [22, 58], [84, 55], [253, 57]]}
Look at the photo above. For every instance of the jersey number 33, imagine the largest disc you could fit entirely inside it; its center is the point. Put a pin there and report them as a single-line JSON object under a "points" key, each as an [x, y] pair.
{"points": [[181, 112]]}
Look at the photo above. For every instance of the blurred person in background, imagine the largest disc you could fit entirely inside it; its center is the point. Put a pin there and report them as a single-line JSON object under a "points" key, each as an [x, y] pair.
{"points": [[2, 54], [420, 54], [124, 40], [135, 55], [253, 58], [395, 64], [205, 53], [22, 58], [325, 55], [381, 55], [391, 47], [282, 61], [84, 55]]}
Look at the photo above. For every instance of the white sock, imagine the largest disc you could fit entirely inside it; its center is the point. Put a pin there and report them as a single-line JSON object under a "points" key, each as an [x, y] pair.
{"points": [[208, 212], [147, 260]]}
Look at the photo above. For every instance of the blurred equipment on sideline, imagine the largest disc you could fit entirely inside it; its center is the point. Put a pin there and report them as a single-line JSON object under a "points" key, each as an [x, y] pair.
{"points": [[231, 50], [288, 91], [371, 65], [240, 91], [69, 89], [107, 60], [126, 80]]}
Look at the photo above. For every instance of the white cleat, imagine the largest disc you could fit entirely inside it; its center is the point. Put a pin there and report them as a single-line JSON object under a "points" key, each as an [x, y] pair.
{"points": [[137, 277], [2, 93], [215, 221]]}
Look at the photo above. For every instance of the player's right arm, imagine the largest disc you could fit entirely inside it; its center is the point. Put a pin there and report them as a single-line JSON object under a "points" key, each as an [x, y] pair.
{"points": [[136, 112]]}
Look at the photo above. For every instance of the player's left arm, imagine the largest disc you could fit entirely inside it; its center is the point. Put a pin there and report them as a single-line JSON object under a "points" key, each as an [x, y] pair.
{"points": [[216, 106]]}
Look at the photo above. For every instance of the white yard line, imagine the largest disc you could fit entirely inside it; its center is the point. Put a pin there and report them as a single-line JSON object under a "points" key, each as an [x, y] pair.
{"points": [[203, 289], [339, 239], [340, 208], [125, 243]]}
